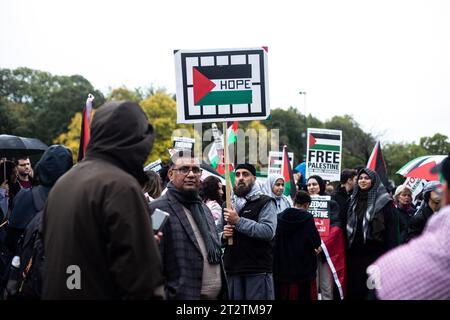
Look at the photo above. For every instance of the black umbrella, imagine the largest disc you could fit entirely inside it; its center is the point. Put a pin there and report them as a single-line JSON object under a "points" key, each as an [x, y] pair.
{"points": [[14, 146]]}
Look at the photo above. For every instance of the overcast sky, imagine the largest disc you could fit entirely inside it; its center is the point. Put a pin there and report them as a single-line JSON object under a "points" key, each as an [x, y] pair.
{"points": [[386, 62]]}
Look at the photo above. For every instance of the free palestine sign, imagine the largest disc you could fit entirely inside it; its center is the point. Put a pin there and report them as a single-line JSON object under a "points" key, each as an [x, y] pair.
{"points": [[221, 85], [324, 152]]}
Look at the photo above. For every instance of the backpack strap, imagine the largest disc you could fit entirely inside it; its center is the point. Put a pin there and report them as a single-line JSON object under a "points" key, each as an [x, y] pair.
{"points": [[38, 199]]}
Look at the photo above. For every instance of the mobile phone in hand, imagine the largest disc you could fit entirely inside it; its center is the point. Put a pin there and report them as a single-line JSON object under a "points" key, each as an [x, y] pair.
{"points": [[159, 218]]}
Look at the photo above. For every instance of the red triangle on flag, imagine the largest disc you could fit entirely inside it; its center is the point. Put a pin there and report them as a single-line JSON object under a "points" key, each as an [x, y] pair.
{"points": [[312, 140], [202, 85]]}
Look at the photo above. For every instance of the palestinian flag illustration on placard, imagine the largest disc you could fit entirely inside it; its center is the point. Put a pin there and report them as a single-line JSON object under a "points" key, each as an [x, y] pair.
{"points": [[322, 141], [220, 85]]}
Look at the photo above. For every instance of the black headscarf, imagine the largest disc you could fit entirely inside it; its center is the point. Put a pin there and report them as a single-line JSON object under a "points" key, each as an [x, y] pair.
{"points": [[121, 134], [321, 183], [377, 198]]}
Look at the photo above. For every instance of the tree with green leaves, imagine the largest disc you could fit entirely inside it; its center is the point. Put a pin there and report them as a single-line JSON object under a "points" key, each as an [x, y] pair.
{"points": [[357, 145], [437, 144], [161, 111], [124, 94], [41, 104]]}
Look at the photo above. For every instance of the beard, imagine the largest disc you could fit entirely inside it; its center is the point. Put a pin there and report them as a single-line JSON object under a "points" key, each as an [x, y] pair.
{"points": [[241, 190]]}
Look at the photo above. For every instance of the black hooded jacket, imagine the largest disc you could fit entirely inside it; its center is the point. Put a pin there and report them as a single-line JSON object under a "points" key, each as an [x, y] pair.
{"points": [[295, 240], [96, 216]]}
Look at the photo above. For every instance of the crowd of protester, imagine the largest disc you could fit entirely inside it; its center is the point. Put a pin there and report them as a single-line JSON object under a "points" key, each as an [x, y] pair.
{"points": [[97, 216]]}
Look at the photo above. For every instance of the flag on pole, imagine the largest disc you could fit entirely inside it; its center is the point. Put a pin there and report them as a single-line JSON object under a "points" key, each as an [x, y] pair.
{"points": [[232, 132], [85, 133], [376, 163], [286, 172], [216, 153]]}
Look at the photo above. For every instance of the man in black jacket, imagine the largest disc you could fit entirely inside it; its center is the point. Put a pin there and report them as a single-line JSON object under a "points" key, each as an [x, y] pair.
{"points": [[252, 223], [98, 237]]}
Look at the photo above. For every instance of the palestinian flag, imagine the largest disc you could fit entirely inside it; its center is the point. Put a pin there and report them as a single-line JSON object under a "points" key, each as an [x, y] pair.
{"points": [[334, 249], [286, 172], [216, 153], [219, 85], [85, 134], [376, 163], [327, 142], [232, 132]]}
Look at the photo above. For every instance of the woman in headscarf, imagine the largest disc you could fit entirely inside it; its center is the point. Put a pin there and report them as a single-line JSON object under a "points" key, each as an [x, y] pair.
{"points": [[275, 188], [372, 229], [331, 262]]}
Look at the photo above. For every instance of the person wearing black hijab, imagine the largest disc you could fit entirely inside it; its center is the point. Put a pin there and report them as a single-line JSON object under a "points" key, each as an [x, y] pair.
{"points": [[372, 229]]}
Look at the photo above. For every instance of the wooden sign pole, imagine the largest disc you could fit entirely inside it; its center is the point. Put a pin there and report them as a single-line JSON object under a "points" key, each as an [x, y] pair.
{"points": [[227, 172]]}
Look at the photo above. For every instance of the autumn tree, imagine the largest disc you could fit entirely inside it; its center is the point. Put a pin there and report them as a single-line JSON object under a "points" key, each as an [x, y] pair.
{"points": [[161, 111]]}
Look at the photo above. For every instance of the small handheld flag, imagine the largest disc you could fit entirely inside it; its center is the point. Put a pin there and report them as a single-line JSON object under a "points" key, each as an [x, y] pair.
{"points": [[85, 134], [286, 172]]}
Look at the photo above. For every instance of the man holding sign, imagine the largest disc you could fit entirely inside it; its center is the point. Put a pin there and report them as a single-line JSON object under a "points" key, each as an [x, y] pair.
{"points": [[252, 223]]}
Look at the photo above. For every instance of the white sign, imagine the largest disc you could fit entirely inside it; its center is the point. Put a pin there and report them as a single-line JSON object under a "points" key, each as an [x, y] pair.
{"points": [[183, 143], [416, 185], [276, 160], [324, 151], [154, 166], [222, 85]]}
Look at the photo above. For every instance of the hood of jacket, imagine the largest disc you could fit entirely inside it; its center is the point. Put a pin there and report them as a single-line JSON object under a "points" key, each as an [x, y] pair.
{"points": [[293, 218], [121, 134], [55, 161]]}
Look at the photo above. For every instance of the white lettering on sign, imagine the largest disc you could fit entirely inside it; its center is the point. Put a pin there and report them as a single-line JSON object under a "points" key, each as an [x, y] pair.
{"points": [[319, 214], [319, 205]]}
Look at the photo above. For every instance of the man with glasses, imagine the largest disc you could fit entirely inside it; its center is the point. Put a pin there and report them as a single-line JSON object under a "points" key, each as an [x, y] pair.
{"points": [[251, 222], [190, 248], [24, 172]]}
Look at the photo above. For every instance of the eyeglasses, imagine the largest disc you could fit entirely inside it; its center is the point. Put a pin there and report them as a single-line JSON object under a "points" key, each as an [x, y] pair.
{"points": [[185, 170]]}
